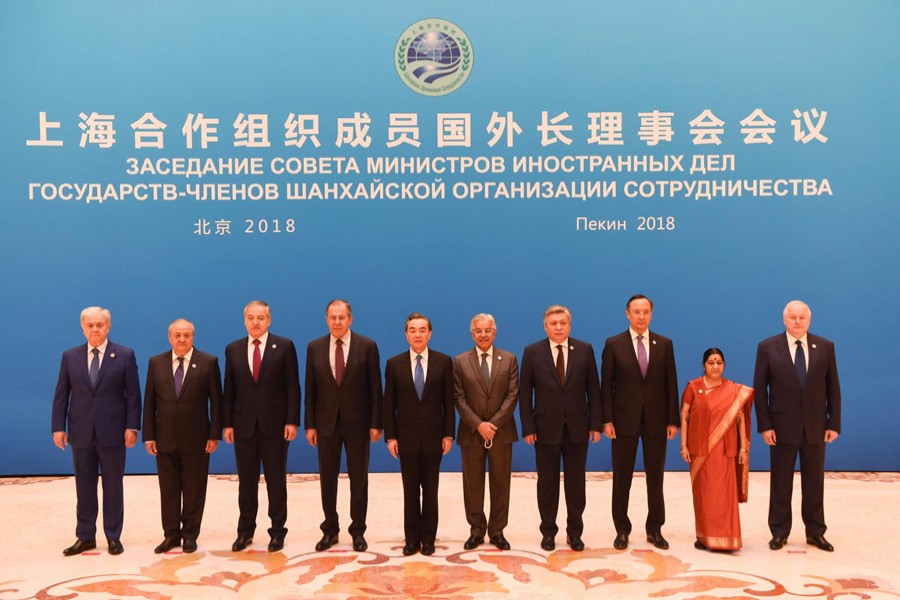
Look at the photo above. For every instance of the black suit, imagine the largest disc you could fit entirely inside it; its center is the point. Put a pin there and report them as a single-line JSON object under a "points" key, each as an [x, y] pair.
{"points": [[419, 427], [342, 417], [562, 417], [799, 414], [639, 407], [181, 425], [258, 411]]}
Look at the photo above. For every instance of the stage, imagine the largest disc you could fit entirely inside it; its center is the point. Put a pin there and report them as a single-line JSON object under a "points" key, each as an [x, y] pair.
{"points": [[860, 510]]}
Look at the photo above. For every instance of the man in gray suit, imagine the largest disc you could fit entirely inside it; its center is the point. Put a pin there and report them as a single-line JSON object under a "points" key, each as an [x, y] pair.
{"points": [[486, 388]]}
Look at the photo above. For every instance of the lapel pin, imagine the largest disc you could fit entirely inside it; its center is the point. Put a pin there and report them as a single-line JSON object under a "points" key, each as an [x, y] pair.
{"points": [[193, 365], [571, 347], [112, 354], [274, 346], [654, 342], [499, 358], [813, 345], [699, 391]]}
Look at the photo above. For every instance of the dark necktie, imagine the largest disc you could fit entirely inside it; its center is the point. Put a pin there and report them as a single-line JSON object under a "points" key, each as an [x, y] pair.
{"points": [[560, 365], [179, 376], [642, 355], [800, 363], [419, 379], [338, 362], [257, 360], [94, 371], [485, 370]]}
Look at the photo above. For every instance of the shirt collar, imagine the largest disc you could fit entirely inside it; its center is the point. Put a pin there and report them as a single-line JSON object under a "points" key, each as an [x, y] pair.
{"points": [[345, 339], [479, 351], [412, 354], [553, 345], [262, 340], [187, 356], [101, 347], [792, 341], [634, 334]]}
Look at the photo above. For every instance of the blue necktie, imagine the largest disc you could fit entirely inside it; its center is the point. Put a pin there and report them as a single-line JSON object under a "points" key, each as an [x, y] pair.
{"points": [[419, 379], [179, 376], [95, 367], [800, 363]]}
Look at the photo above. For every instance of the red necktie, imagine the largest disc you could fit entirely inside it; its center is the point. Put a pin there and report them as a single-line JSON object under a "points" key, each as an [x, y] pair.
{"points": [[257, 360], [338, 362]]}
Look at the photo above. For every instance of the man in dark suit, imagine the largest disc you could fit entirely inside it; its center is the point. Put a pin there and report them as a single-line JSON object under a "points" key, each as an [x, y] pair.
{"points": [[418, 428], [261, 413], [182, 427], [798, 411], [486, 389], [343, 410], [560, 409], [640, 402], [98, 401]]}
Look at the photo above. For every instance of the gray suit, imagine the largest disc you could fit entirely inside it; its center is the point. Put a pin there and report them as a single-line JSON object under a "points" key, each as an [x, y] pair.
{"points": [[477, 402]]}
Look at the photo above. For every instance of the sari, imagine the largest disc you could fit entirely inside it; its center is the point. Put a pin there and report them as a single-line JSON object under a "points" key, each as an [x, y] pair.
{"points": [[718, 481]]}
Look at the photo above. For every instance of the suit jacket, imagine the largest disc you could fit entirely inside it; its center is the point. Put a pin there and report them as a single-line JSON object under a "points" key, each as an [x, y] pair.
{"points": [[106, 410], [545, 406], [419, 425], [626, 394], [272, 402], [787, 407], [494, 402], [187, 421], [359, 398]]}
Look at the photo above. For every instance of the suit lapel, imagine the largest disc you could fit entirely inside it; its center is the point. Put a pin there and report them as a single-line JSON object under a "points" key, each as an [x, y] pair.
{"points": [[495, 369], [785, 354], [475, 365], [628, 343], [268, 356], [188, 370], [106, 365]]}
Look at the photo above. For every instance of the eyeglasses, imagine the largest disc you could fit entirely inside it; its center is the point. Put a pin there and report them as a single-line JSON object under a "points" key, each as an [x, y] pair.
{"points": [[483, 331]]}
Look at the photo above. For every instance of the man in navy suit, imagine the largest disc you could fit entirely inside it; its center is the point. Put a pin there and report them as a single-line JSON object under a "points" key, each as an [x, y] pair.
{"points": [[798, 411], [560, 409], [418, 427], [343, 410], [98, 402], [182, 427], [261, 413], [640, 402]]}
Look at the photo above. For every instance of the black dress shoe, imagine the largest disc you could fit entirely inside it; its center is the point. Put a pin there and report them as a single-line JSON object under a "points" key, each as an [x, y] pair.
{"points": [[115, 547], [276, 543], [575, 543], [241, 542], [658, 540], [473, 542], [621, 541], [427, 549], [410, 549], [777, 542], [189, 545], [700, 545], [819, 542], [80, 546], [359, 543], [169, 542], [326, 542], [500, 542], [548, 543]]}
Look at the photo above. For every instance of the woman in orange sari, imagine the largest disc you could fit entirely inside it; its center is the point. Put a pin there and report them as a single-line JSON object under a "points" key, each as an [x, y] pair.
{"points": [[715, 440]]}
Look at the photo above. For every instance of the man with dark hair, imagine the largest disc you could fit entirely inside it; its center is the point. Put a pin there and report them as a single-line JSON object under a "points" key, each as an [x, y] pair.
{"points": [[640, 402]]}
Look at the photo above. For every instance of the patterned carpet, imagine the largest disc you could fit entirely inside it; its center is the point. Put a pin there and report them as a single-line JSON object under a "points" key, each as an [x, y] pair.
{"points": [[860, 508]]}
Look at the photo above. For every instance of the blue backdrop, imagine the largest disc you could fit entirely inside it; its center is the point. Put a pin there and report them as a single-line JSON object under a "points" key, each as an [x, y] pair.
{"points": [[810, 215]]}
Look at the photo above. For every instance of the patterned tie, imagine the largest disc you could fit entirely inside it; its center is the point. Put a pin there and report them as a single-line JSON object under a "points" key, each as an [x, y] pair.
{"points": [[560, 365], [95, 367], [338, 362], [800, 363], [257, 360], [419, 379], [642, 355], [179, 376], [485, 370]]}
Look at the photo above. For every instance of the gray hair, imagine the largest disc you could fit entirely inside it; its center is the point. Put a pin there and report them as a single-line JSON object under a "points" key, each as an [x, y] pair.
{"points": [[482, 317], [93, 310]]}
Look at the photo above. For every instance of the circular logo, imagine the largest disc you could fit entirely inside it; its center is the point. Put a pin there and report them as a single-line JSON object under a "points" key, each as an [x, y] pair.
{"points": [[433, 57]]}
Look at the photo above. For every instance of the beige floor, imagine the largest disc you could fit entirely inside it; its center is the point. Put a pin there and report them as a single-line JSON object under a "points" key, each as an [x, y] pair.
{"points": [[861, 509]]}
